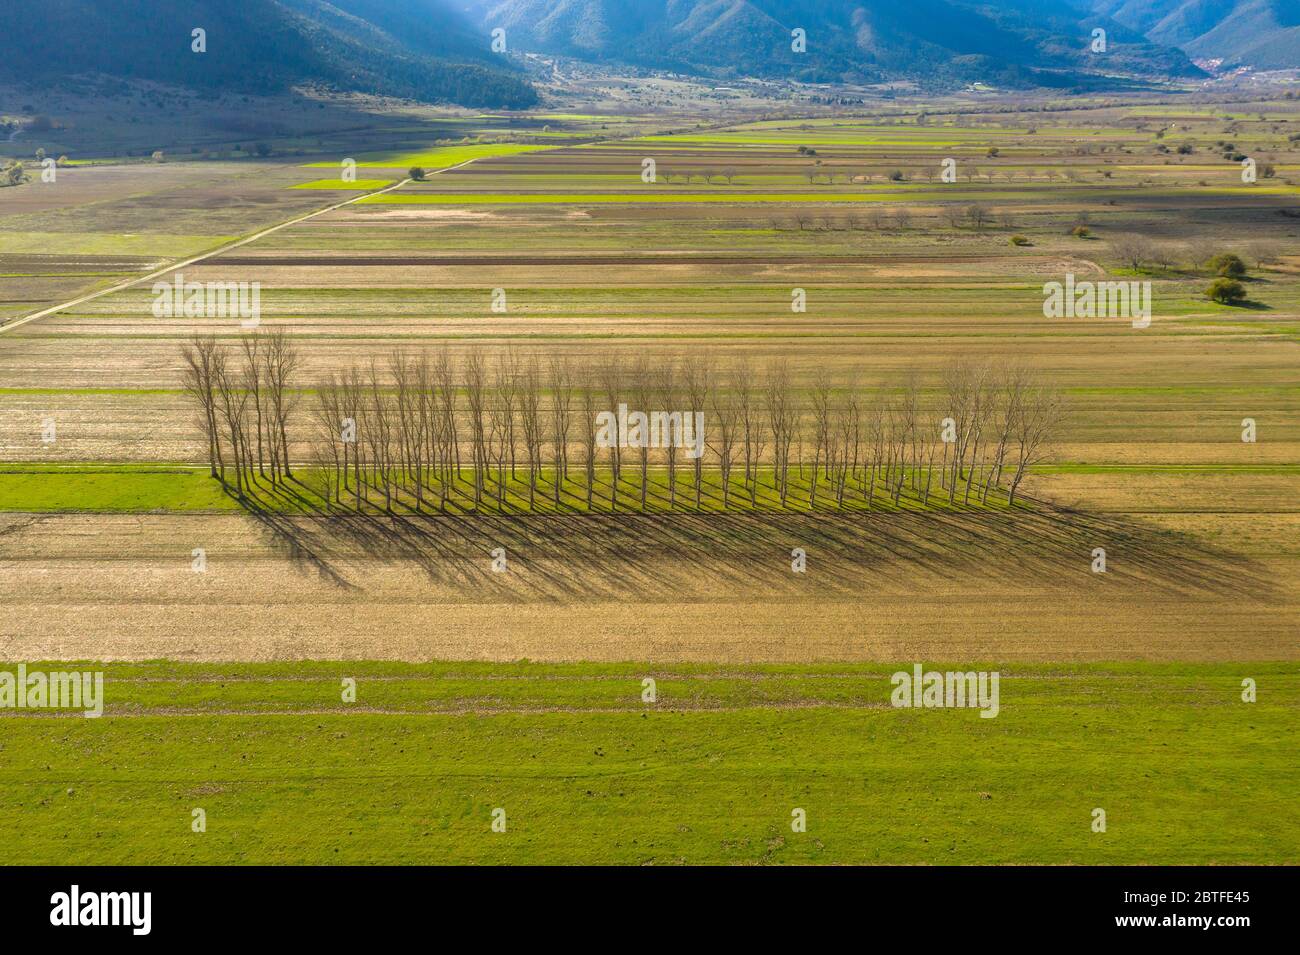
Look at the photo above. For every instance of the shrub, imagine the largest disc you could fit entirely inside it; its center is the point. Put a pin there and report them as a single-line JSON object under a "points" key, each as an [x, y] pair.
{"points": [[1228, 264], [1019, 240], [1226, 291], [1081, 232], [416, 173]]}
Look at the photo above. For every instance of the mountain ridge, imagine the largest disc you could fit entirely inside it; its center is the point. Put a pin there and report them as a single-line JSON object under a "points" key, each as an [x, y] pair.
{"points": [[422, 49], [1016, 42]]}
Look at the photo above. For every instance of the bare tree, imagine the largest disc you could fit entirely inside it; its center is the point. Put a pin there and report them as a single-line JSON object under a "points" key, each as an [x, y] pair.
{"points": [[590, 408], [1035, 426], [1131, 249], [666, 388], [282, 364], [725, 410], [561, 383], [612, 378], [821, 424], [530, 414], [252, 380], [697, 379], [475, 382], [751, 424], [202, 363], [781, 421], [641, 386], [233, 405]]}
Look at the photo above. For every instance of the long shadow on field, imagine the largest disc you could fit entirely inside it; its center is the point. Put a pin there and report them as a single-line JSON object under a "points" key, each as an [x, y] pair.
{"points": [[649, 556]]}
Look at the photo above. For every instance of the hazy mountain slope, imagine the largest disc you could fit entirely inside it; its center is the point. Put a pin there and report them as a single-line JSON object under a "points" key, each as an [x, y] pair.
{"points": [[953, 40], [1261, 33], [417, 48]]}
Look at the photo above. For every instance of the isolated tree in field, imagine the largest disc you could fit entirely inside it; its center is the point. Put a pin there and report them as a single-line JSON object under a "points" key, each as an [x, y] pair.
{"points": [[1200, 251], [1265, 252], [1165, 254], [978, 216], [1226, 291], [416, 173], [1228, 265], [1130, 249]]}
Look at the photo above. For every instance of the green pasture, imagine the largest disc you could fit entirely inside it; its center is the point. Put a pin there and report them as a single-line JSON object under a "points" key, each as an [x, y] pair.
{"points": [[439, 157], [584, 770]]}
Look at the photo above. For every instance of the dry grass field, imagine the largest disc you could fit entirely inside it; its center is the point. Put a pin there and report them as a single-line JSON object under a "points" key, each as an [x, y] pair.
{"points": [[593, 260]]}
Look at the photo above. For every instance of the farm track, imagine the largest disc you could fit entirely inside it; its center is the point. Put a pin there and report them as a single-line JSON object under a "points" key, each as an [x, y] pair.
{"points": [[616, 258], [203, 257]]}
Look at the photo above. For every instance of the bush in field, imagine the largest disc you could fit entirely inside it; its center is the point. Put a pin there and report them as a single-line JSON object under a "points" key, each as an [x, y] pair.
{"points": [[1019, 240], [416, 173], [1081, 232], [1226, 291], [1228, 265]]}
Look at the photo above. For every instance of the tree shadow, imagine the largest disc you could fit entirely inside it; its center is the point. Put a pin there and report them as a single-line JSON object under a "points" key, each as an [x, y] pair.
{"points": [[599, 556]]}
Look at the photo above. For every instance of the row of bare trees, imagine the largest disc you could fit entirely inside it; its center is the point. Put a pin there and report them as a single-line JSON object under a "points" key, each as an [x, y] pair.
{"points": [[508, 430], [245, 402]]}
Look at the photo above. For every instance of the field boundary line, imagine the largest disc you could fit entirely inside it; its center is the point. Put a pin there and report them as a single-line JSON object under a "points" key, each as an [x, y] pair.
{"points": [[121, 286]]}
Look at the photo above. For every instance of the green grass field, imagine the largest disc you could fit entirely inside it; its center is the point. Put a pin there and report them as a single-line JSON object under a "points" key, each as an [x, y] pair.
{"points": [[108, 488], [586, 772], [439, 157], [357, 185]]}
